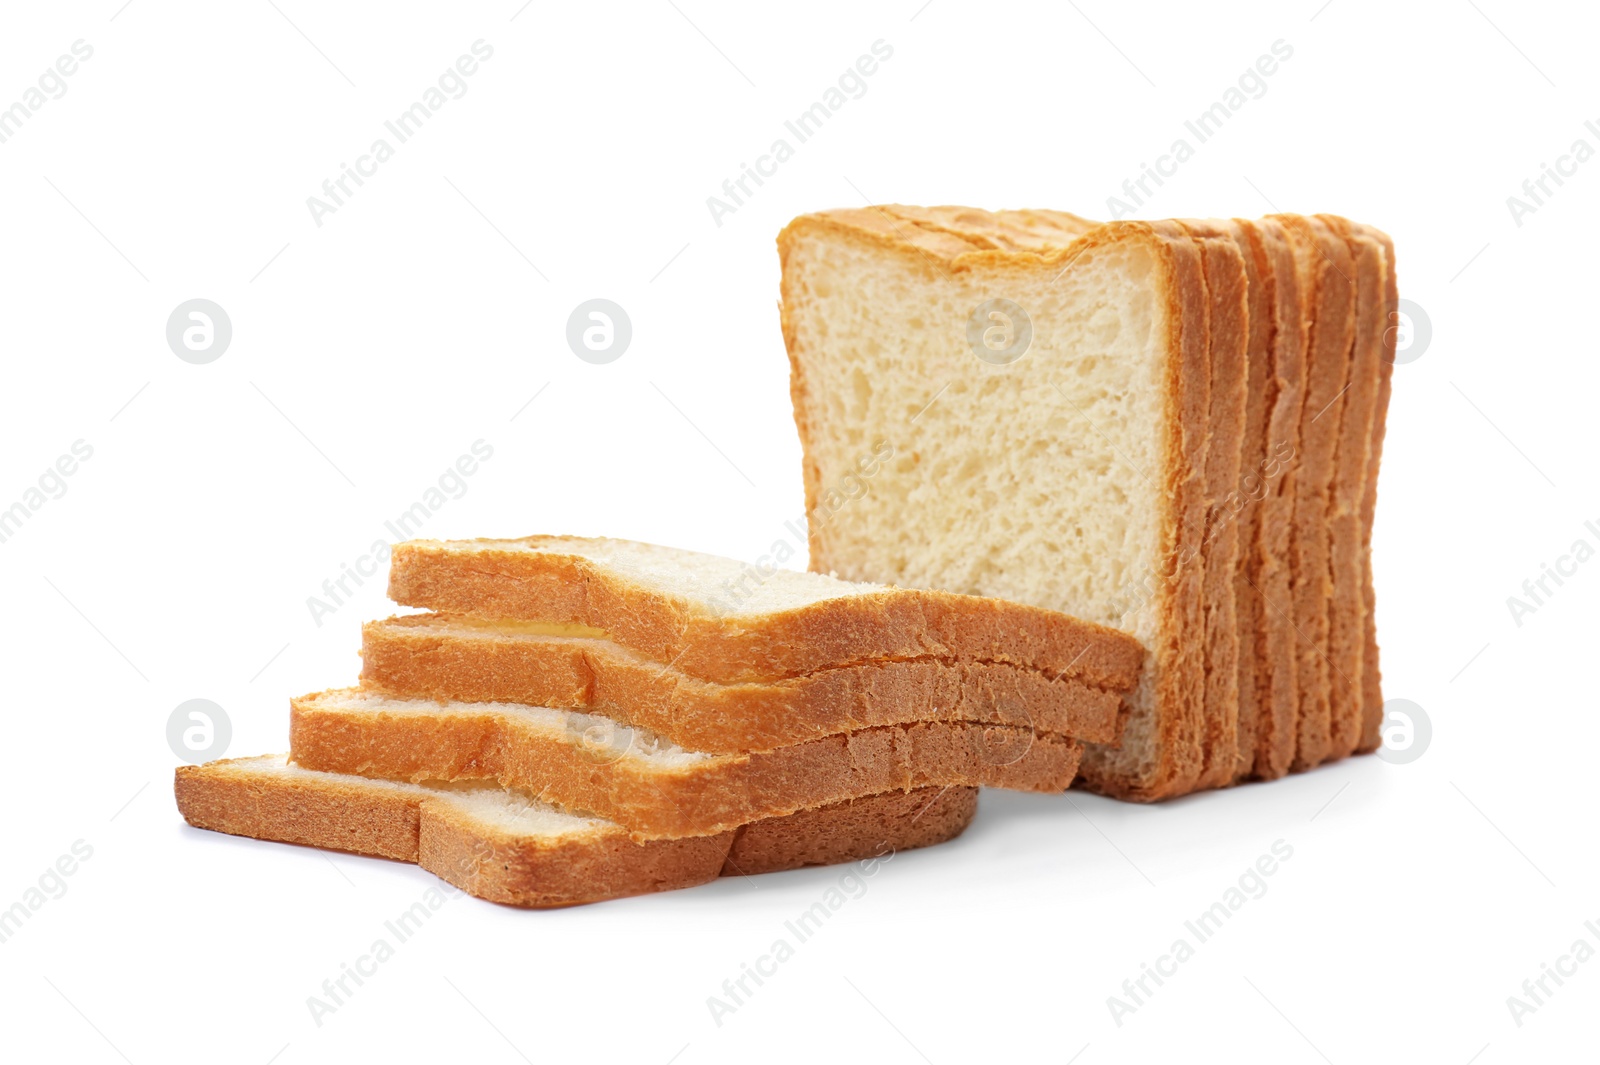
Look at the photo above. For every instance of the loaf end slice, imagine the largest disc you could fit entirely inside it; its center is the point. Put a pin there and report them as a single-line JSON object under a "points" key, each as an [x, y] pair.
{"points": [[1350, 543], [1371, 676]]}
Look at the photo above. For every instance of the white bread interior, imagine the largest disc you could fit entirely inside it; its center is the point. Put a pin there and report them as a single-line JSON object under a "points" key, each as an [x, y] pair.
{"points": [[1046, 480]]}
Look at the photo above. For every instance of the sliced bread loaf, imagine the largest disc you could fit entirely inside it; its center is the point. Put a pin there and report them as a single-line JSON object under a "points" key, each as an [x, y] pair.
{"points": [[653, 787], [727, 621], [446, 657], [510, 847], [1066, 469]]}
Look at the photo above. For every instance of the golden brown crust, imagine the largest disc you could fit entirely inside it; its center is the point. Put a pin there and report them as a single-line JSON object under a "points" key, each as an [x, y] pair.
{"points": [[1030, 231], [1260, 287], [1347, 632], [551, 586], [348, 815], [853, 830], [1327, 274], [429, 657], [1277, 640], [952, 239], [359, 816], [521, 870], [1228, 317], [1371, 676], [655, 801]]}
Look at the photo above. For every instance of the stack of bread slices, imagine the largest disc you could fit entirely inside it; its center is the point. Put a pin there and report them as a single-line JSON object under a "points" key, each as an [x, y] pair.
{"points": [[1172, 428], [583, 719]]}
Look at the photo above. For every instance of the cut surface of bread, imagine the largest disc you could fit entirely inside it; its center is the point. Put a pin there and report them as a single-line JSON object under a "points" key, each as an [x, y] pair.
{"points": [[653, 787], [1072, 477], [510, 847], [722, 620], [1268, 696], [431, 656]]}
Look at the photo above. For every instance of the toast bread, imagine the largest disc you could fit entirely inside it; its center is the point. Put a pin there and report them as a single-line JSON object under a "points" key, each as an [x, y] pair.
{"points": [[441, 657], [512, 848], [652, 787]]}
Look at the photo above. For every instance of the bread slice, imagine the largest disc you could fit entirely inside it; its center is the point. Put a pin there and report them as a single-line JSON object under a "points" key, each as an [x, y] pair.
{"points": [[730, 622], [509, 847], [652, 787], [1326, 274], [1072, 478], [1246, 496], [444, 657], [1347, 629], [1228, 335], [1268, 695], [1371, 676]]}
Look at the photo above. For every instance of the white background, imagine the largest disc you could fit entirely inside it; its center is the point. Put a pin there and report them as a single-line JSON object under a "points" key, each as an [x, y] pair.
{"points": [[369, 352]]}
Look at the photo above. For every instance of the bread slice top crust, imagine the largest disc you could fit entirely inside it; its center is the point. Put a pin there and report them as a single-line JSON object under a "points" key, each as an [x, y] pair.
{"points": [[722, 620], [947, 236], [513, 848], [448, 657]]}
